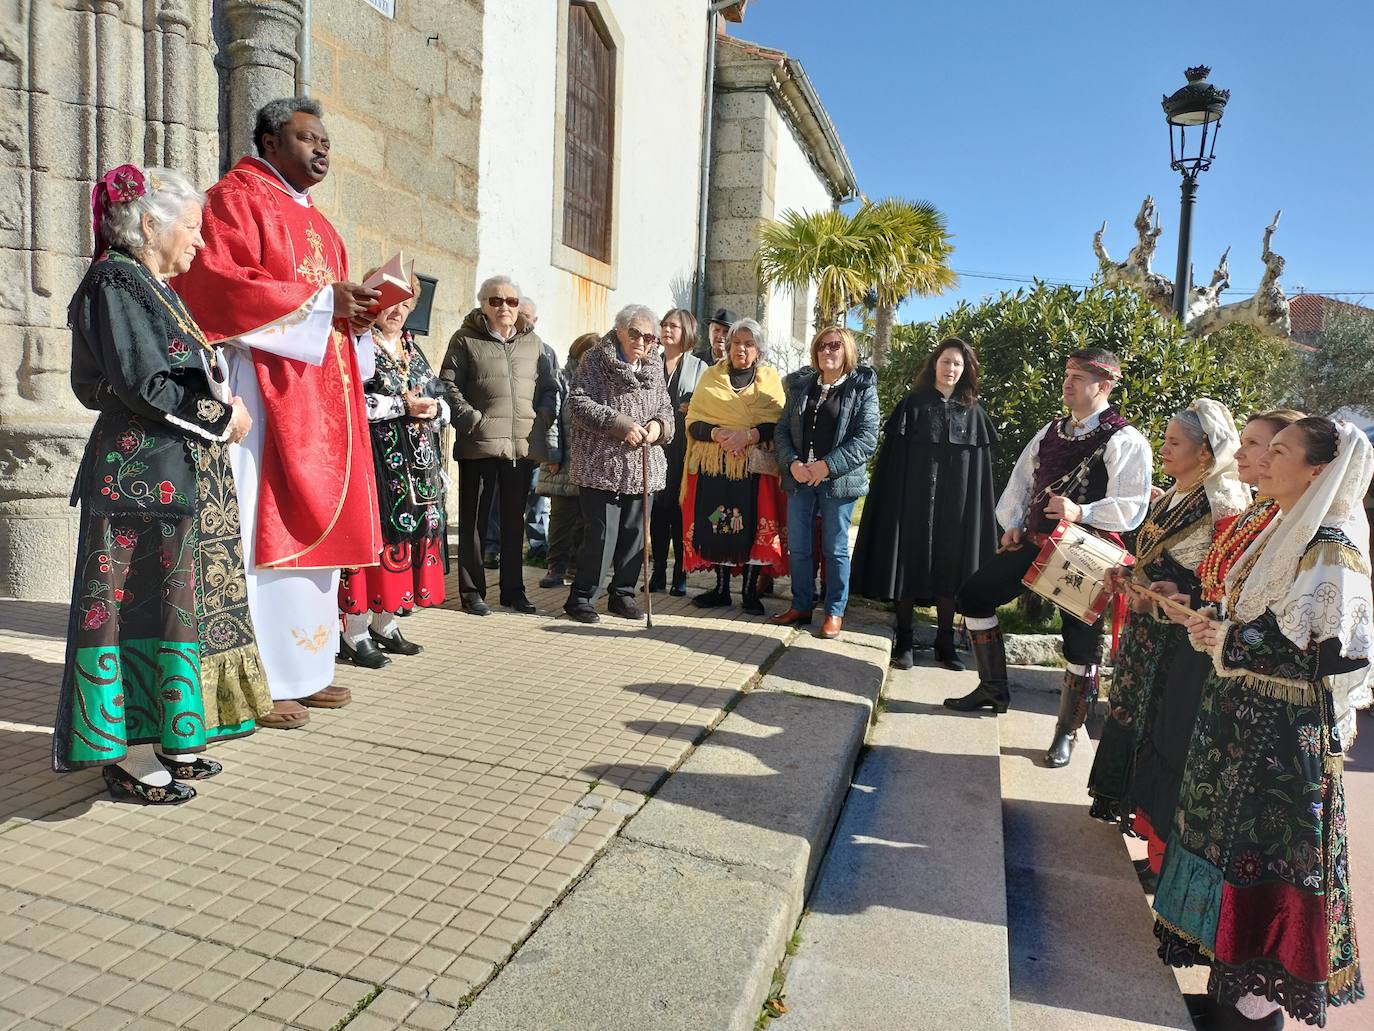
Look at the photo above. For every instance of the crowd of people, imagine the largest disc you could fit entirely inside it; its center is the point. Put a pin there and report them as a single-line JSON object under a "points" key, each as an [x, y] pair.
{"points": [[263, 496]]}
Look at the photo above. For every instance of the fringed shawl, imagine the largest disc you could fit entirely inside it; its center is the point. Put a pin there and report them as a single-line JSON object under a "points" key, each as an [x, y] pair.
{"points": [[717, 403]]}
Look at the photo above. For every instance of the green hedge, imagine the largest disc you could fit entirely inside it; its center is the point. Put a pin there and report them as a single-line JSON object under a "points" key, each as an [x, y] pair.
{"points": [[1023, 339]]}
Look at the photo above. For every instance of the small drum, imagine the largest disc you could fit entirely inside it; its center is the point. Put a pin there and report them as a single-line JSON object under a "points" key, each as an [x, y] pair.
{"points": [[1071, 571]]}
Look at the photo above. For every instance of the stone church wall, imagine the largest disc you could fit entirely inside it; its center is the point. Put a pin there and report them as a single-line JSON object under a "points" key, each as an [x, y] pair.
{"points": [[88, 84]]}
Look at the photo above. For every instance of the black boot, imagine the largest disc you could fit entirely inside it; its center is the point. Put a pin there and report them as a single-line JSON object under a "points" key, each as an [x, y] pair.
{"points": [[1077, 694], [944, 649], [679, 588], [719, 595], [749, 595], [658, 580], [993, 691], [902, 657]]}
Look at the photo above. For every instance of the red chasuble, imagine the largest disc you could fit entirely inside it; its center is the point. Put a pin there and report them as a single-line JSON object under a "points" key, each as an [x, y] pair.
{"points": [[266, 256]]}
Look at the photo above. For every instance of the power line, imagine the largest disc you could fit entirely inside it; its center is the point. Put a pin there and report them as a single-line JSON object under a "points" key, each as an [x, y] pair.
{"points": [[1011, 277]]}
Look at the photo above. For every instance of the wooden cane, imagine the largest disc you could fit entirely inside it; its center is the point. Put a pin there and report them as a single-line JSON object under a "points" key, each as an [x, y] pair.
{"points": [[648, 596]]}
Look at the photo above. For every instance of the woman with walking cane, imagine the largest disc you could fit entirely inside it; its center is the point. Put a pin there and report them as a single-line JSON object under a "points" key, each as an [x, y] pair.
{"points": [[621, 417]]}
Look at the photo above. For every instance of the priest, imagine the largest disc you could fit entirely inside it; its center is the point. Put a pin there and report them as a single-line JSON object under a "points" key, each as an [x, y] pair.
{"points": [[272, 288]]}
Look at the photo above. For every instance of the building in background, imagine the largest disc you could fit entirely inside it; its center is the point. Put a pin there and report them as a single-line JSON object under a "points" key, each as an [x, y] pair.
{"points": [[774, 148], [559, 141], [176, 83]]}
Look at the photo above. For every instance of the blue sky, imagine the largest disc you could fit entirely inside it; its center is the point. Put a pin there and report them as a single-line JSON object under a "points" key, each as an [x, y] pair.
{"points": [[1029, 123]]}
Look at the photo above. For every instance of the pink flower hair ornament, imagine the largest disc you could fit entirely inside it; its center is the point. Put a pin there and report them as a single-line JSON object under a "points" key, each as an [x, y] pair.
{"points": [[119, 185]]}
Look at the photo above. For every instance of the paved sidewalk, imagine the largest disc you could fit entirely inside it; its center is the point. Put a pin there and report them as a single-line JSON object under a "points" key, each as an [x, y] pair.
{"points": [[382, 861]]}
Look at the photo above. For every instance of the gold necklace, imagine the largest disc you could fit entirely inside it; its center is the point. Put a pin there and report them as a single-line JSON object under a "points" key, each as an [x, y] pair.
{"points": [[179, 315], [1162, 522]]}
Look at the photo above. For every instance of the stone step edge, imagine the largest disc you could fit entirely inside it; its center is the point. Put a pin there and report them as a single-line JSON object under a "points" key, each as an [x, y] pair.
{"points": [[580, 943]]}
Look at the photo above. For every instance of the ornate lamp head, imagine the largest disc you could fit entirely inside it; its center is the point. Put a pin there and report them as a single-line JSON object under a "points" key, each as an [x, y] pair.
{"points": [[1197, 105]]}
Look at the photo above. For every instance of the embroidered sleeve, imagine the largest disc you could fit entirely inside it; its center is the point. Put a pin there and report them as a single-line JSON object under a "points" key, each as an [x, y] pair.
{"points": [[1015, 500], [1128, 459], [383, 407], [1259, 648], [136, 359]]}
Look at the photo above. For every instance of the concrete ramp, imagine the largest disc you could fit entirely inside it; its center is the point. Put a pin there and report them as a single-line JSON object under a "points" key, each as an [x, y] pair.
{"points": [[1081, 934], [907, 924]]}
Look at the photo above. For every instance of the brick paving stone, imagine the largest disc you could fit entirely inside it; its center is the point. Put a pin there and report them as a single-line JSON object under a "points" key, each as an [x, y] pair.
{"points": [[410, 840]]}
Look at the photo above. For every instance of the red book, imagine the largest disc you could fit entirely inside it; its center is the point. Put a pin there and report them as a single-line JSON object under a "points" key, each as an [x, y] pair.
{"points": [[392, 281]]}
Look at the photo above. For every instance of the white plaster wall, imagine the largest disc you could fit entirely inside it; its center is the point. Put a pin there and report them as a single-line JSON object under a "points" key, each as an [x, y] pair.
{"points": [[663, 61], [798, 187]]}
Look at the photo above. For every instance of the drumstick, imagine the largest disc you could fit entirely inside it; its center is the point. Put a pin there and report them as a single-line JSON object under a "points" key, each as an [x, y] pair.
{"points": [[1161, 599]]}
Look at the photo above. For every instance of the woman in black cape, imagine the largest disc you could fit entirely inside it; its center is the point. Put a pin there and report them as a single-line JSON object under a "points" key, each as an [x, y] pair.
{"points": [[928, 522]]}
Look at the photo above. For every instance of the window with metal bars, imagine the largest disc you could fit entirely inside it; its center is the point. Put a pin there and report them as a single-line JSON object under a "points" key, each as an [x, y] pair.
{"points": [[589, 136]]}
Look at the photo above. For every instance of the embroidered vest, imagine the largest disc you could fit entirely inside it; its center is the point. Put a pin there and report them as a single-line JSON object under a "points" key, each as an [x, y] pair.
{"points": [[1071, 466]]}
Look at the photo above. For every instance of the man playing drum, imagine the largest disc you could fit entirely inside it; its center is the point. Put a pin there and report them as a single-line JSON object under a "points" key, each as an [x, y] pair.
{"points": [[1092, 468]]}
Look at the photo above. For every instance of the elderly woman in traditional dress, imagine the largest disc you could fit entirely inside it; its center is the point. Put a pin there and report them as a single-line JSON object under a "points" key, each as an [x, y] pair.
{"points": [[160, 648], [406, 409], [733, 509], [1256, 879], [827, 434], [620, 409], [930, 520], [1151, 705]]}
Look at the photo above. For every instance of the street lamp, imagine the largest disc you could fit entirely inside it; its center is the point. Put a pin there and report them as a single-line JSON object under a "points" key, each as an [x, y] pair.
{"points": [[1198, 106]]}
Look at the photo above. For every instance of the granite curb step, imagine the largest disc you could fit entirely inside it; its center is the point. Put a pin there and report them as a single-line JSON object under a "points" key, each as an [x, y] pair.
{"points": [[681, 923], [907, 926]]}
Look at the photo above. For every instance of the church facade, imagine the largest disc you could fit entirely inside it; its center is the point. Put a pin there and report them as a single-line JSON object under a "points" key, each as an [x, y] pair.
{"points": [[555, 140]]}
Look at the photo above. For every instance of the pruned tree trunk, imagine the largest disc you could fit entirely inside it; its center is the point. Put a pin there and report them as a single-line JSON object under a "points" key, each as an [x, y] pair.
{"points": [[883, 317]]}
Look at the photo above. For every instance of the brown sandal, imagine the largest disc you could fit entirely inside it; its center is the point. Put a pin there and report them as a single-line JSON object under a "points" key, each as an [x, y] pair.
{"points": [[286, 715], [330, 698]]}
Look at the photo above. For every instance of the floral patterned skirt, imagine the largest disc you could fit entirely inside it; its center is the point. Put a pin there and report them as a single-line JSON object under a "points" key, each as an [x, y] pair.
{"points": [[752, 511], [132, 674], [408, 575], [1256, 879], [1139, 676]]}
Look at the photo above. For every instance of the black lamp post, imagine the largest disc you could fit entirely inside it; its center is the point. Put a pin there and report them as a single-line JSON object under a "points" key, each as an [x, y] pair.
{"points": [[1198, 106]]}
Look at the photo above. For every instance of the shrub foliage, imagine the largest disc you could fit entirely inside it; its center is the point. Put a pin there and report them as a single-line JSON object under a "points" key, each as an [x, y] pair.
{"points": [[1023, 339]]}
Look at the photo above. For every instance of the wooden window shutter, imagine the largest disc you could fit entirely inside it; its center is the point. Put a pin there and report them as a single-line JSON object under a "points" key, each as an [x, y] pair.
{"points": [[589, 133]]}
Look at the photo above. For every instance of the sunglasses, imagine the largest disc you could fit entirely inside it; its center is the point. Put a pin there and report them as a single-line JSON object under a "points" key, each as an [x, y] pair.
{"points": [[509, 302], [830, 346], [637, 336]]}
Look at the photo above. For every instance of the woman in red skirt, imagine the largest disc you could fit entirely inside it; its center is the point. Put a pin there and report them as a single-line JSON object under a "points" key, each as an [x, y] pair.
{"points": [[734, 512], [405, 411]]}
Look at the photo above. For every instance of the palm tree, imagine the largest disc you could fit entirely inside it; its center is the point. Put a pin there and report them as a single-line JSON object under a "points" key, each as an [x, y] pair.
{"points": [[820, 247], [894, 248], [913, 251]]}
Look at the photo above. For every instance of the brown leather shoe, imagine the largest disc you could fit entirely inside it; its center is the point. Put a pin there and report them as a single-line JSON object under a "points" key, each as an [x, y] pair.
{"points": [[287, 715], [792, 617], [831, 627], [330, 698]]}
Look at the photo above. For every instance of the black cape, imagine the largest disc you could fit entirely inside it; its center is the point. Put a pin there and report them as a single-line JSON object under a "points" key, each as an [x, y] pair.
{"points": [[929, 519]]}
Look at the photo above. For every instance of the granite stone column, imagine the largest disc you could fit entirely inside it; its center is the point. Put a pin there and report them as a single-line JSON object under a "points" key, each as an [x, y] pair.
{"points": [[261, 58]]}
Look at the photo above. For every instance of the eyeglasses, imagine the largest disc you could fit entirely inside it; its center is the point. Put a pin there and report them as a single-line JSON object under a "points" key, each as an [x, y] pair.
{"points": [[637, 336], [830, 346], [509, 302]]}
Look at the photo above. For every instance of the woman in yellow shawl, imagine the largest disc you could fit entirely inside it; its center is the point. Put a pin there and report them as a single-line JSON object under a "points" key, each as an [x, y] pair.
{"points": [[734, 512]]}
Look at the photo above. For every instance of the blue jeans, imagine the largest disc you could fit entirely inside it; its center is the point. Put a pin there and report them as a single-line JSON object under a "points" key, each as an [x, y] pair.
{"points": [[537, 521], [802, 508]]}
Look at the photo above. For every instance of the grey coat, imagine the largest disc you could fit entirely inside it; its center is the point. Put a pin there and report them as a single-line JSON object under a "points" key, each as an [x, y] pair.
{"points": [[856, 432], [608, 396], [560, 484]]}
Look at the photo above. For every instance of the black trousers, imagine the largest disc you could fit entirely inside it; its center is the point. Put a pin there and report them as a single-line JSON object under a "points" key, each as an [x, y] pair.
{"points": [[612, 541], [481, 481], [998, 581], [565, 532], [665, 528]]}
